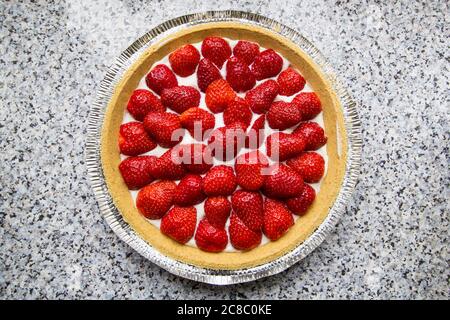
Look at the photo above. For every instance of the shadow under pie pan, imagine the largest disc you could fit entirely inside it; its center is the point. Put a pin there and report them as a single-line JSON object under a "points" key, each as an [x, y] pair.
{"points": [[343, 148]]}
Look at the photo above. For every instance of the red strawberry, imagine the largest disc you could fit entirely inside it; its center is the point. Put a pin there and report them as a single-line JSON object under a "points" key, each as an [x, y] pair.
{"points": [[283, 182], [248, 205], [267, 64], [310, 165], [137, 171], [216, 49], [179, 223], [194, 118], [164, 127], [160, 78], [217, 210], [219, 181], [290, 82], [313, 134], [249, 170], [189, 191], [283, 115], [300, 204], [210, 238], [241, 236], [277, 219], [180, 98], [207, 72], [226, 142], [308, 104], [154, 200], [239, 75], [196, 157], [261, 97], [282, 146], [169, 166], [133, 140], [142, 102], [255, 136], [246, 50], [237, 111], [184, 60], [219, 95]]}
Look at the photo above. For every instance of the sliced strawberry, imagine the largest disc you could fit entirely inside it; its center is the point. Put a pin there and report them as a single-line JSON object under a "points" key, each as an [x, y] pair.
{"points": [[248, 205], [154, 200], [255, 135], [217, 210], [179, 223], [246, 50], [169, 166], [219, 181], [239, 75], [283, 182], [216, 49], [308, 104], [207, 73], [219, 95], [283, 115], [134, 140], [310, 165], [189, 191], [137, 171], [300, 204], [180, 98], [313, 134], [261, 97], [160, 78], [196, 157], [184, 60], [197, 121], [290, 82], [277, 219], [237, 111], [241, 236], [281, 146], [164, 127], [210, 238], [226, 142], [267, 64], [142, 102], [249, 170]]}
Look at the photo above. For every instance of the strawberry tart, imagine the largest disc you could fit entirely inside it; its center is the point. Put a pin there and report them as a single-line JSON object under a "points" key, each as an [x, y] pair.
{"points": [[223, 146]]}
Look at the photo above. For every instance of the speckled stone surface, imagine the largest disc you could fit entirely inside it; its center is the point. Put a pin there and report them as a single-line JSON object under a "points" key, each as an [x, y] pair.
{"points": [[394, 239]]}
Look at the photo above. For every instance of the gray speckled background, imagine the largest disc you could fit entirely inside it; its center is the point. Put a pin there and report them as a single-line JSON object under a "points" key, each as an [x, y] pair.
{"points": [[393, 240]]}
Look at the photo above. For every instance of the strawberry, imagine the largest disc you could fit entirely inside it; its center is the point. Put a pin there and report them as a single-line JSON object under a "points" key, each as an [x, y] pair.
{"points": [[194, 118], [217, 210], [277, 219], [267, 64], [219, 181], [237, 111], [283, 115], [184, 60], [164, 127], [248, 206], [239, 75], [155, 199], [310, 165], [290, 82], [196, 157], [308, 104], [241, 236], [226, 142], [246, 51], [283, 182], [142, 102], [313, 134], [207, 72], [169, 166], [216, 49], [255, 136], [300, 204], [179, 223], [261, 97], [249, 170], [133, 140], [210, 238], [137, 171], [189, 191], [160, 78], [219, 95], [282, 146], [180, 98]]}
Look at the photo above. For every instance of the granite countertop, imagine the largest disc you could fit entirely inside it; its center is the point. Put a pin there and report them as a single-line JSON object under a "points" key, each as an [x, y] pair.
{"points": [[393, 239]]}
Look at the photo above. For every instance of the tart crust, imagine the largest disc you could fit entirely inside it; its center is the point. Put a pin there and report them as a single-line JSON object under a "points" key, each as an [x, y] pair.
{"points": [[333, 125]]}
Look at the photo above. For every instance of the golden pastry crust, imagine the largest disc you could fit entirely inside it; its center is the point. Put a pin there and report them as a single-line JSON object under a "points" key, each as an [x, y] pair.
{"points": [[333, 122]]}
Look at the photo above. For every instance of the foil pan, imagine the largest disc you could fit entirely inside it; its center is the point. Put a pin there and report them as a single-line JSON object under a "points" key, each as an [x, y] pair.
{"points": [[127, 234]]}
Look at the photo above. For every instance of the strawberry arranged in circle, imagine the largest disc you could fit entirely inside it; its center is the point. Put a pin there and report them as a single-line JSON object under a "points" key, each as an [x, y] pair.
{"points": [[248, 206], [155, 199], [241, 236], [308, 104], [261, 97], [210, 238], [142, 102], [134, 140], [196, 157], [217, 210], [226, 142], [169, 166], [180, 98], [255, 135], [290, 82], [239, 75], [137, 172], [164, 127], [267, 64], [207, 73], [216, 49], [238, 110], [197, 121], [283, 115], [282, 146], [283, 182], [219, 181], [300, 204], [312, 133], [160, 78], [246, 51], [310, 165], [277, 219], [249, 169], [179, 223], [219, 95], [184, 60], [189, 191]]}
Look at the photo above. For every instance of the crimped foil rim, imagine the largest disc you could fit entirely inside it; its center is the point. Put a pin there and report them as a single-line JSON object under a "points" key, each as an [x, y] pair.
{"points": [[127, 234]]}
